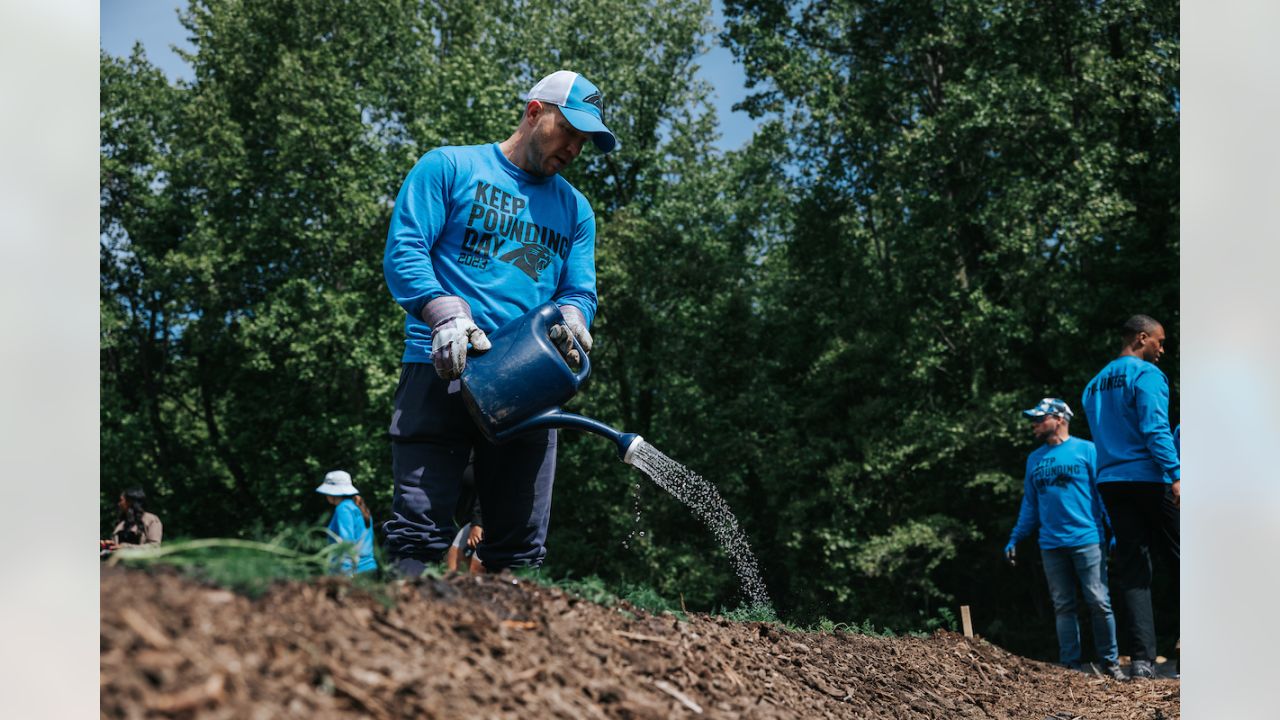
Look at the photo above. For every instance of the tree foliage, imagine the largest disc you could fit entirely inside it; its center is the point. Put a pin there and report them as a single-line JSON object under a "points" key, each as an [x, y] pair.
{"points": [[945, 213], [982, 192]]}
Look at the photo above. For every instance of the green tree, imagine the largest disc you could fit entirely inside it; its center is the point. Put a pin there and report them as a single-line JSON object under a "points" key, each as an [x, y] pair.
{"points": [[945, 213], [143, 440], [282, 158], [244, 214], [984, 191]]}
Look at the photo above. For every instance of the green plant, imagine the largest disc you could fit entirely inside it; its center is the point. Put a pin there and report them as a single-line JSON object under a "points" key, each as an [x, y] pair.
{"points": [[248, 566], [752, 613], [944, 620]]}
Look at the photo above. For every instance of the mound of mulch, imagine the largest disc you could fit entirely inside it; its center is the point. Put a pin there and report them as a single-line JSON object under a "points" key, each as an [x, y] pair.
{"points": [[490, 646]]}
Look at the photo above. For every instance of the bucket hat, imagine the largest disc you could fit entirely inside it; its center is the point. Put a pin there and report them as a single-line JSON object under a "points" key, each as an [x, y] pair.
{"points": [[337, 483]]}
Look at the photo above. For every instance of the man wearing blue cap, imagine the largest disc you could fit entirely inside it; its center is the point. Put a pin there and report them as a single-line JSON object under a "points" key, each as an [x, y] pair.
{"points": [[1060, 497], [1139, 474], [479, 236]]}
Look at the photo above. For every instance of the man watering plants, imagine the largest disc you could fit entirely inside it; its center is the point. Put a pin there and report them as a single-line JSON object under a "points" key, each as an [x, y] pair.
{"points": [[1139, 473], [479, 236], [1060, 497]]}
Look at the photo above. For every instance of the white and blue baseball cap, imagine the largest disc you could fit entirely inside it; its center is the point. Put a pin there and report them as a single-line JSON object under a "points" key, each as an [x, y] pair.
{"points": [[1049, 406], [581, 103]]}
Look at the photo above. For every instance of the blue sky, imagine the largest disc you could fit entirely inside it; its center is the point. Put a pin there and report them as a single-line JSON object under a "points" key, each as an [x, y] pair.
{"points": [[155, 24]]}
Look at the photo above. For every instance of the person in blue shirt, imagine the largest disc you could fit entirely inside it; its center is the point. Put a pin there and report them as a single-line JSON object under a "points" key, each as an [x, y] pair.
{"points": [[1139, 474], [351, 522], [1060, 498], [479, 236]]}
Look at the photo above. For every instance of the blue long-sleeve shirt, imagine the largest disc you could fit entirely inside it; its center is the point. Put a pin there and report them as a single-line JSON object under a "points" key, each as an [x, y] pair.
{"points": [[1127, 405], [469, 222], [348, 525], [1060, 497]]}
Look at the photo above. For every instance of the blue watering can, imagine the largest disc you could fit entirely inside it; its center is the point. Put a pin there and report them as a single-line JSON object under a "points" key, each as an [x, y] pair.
{"points": [[520, 384]]}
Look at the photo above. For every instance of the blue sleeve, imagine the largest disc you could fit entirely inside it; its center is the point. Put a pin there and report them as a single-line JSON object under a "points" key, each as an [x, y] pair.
{"points": [[577, 285], [1177, 441], [1152, 400], [420, 214], [350, 524], [1029, 513], [350, 529], [1099, 508]]}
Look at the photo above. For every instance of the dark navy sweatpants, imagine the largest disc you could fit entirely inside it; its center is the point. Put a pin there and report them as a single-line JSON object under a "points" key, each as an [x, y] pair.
{"points": [[1144, 518], [432, 437]]}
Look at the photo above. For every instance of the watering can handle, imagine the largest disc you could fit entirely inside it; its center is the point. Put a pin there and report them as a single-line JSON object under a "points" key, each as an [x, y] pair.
{"points": [[543, 320], [585, 370]]}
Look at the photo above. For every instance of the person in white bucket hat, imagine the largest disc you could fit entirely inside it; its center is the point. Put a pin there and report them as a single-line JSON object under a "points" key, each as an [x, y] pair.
{"points": [[479, 236], [351, 522]]}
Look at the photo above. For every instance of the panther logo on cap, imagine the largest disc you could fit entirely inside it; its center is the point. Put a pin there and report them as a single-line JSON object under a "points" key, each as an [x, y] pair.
{"points": [[597, 100]]}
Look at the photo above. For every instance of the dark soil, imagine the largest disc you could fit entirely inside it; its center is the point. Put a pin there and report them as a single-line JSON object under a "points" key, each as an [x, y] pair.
{"points": [[482, 647]]}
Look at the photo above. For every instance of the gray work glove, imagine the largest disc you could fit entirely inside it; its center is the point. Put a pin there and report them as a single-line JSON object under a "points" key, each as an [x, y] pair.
{"points": [[1010, 555], [576, 323], [451, 329]]}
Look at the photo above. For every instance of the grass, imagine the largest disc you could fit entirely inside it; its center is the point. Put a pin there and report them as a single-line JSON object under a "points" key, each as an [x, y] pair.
{"points": [[753, 613], [866, 627], [594, 589], [247, 566], [251, 567]]}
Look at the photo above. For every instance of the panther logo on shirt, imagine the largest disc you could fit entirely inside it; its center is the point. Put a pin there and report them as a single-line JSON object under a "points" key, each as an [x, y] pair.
{"points": [[1052, 474], [532, 258], [1059, 480]]}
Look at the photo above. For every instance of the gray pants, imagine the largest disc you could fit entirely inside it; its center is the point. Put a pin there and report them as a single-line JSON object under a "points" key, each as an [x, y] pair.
{"points": [[432, 438]]}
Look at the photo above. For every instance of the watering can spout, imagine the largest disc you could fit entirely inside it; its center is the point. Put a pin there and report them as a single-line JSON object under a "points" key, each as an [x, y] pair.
{"points": [[627, 443]]}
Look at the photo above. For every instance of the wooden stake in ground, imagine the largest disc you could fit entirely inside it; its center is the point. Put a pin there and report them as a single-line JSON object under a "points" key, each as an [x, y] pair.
{"points": [[964, 619]]}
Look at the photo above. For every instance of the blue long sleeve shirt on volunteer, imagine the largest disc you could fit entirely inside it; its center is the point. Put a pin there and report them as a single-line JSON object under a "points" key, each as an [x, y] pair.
{"points": [[469, 222], [1127, 405], [1060, 497], [348, 524]]}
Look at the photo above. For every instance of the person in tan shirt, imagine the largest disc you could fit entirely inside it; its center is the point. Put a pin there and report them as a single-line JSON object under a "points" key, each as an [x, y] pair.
{"points": [[136, 527]]}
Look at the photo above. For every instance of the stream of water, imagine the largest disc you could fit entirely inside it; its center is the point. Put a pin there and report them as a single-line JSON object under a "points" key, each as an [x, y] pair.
{"points": [[635, 515], [705, 501]]}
